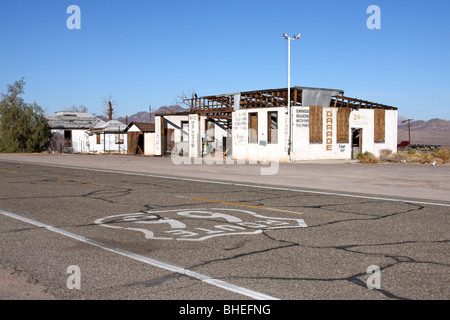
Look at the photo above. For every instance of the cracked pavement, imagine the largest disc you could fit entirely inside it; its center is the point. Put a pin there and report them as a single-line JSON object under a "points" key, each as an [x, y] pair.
{"points": [[228, 232]]}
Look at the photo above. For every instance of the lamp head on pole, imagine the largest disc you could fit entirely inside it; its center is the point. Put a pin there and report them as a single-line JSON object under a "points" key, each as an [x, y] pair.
{"points": [[285, 35]]}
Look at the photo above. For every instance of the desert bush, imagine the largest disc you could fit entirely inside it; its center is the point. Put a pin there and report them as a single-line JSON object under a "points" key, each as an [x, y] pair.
{"points": [[397, 157], [443, 154], [438, 157], [414, 157], [367, 157], [385, 154], [57, 143], [426, 158]]}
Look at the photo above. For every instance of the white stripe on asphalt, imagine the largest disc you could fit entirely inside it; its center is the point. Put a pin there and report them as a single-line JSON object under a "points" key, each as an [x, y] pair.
{"points": [[236, 184], [204, 278]]}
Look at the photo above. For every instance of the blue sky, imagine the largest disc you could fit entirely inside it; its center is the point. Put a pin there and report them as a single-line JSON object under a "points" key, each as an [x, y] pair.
{"points": [[146, 52]]}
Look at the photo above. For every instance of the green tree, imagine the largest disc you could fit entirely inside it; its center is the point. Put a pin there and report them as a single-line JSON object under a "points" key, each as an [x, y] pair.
{"points": [[23, 127]]}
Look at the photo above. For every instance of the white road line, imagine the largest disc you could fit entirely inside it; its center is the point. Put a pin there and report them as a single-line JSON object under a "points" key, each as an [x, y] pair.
{"points": [[162, 265], [236, 184]]}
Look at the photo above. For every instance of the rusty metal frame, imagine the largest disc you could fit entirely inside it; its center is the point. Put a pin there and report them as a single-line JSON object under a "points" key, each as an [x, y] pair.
{"points": [[222, 106], [346, 102]]}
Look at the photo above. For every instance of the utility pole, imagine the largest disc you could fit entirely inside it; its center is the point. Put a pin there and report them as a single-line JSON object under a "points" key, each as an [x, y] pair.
{"points": [[409, 131]]}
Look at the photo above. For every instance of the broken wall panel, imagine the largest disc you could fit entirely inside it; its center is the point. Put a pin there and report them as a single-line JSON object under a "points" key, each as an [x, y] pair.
{"points": [[272, 127], [253, 128], [315, 124], [379, 125], [133, 141], [343, 125]]}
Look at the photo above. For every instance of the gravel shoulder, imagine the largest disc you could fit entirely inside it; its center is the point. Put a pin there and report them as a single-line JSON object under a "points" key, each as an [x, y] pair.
{"points": [[18, 285]]}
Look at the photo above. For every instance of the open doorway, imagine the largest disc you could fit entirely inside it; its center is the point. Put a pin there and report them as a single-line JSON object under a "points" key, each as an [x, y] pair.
{"points": [[68, 138], [135, 141], [210, 138], [356, 142], [141, 146]]}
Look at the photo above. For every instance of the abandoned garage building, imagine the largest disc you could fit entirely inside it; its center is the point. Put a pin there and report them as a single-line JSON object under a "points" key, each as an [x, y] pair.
{"points": [[255, 126]]}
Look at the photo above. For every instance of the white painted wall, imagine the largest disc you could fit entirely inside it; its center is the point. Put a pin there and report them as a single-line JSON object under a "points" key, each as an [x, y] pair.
{"points": [[175, 122], [391, 119], [79, 139], [107, 142], [191, 138], [359, 119], [149, 141], [260, 151], [149, 144], [194, 136], [158, 136], [302, 149], [218, 132], [134, 128]]}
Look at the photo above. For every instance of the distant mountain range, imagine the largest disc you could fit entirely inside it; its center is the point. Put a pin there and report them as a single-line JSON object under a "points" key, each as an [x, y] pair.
{"points": [[144, 116], [434, 131]]}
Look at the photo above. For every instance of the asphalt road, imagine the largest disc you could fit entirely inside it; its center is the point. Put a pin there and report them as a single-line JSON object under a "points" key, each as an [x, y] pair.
{"points": [[92, 234]]}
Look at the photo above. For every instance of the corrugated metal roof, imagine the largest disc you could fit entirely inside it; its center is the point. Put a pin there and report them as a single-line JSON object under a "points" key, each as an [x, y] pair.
{"points": [[111, 126], [72, 120]]}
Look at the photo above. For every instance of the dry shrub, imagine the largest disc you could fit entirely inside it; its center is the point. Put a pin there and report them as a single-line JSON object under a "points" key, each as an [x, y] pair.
{"points": [[438, 157], [397, 157], [443, 154], [367, 157], [426, 158], [414, 157], [57, 143], [385, 154]]}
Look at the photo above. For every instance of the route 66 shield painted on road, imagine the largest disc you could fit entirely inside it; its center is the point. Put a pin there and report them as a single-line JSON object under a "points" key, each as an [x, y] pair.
{"points": [[197, 224]]}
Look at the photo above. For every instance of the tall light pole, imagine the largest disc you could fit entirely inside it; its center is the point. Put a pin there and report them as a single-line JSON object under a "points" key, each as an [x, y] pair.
{"points": [[289, 92]]}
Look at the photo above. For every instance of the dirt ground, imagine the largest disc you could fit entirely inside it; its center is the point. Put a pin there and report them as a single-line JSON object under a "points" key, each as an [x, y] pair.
{"points": [[17, 285]]}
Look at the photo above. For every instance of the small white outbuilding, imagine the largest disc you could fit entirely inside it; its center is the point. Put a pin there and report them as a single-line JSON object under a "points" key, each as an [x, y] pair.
{"points": [[109, 137], [140, 138]]}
